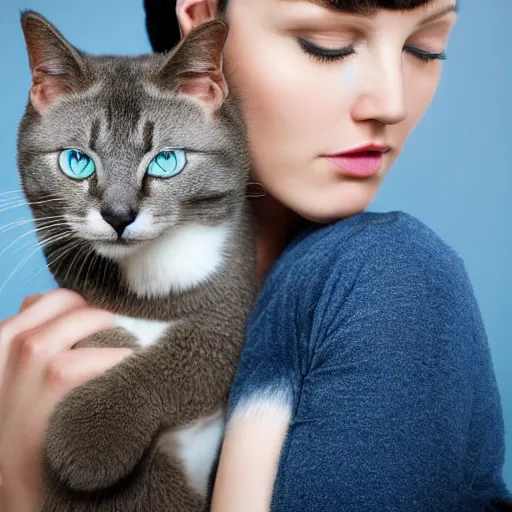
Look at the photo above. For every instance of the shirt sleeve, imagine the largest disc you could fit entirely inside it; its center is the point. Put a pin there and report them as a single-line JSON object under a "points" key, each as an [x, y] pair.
{"points": [[269, 371], [399, 408]]}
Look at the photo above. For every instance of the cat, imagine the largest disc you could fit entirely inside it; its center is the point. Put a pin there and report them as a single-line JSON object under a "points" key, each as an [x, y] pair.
{"points": [[136, 168]]}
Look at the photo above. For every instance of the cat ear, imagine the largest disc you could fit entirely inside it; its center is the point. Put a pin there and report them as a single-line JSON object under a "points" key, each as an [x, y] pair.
{"points": [[57, 67], [194, 67]]}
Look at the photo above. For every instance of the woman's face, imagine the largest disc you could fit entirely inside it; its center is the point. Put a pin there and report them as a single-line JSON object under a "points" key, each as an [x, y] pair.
{"points": [[377, 78]]}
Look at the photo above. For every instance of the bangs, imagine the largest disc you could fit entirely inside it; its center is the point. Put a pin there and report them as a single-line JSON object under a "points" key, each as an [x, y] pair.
{"points": [[367, 6], [361, 6]]}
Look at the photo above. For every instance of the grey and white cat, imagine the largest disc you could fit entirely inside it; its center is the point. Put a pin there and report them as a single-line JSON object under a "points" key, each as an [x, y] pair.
{"points": [[137, 170]]}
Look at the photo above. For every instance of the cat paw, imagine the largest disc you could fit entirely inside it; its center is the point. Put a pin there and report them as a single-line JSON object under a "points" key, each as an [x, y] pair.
{"points": [[96, 438]]}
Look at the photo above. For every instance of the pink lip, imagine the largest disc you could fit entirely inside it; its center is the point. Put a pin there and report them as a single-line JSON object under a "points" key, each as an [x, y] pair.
{"points": [[363, 162]]}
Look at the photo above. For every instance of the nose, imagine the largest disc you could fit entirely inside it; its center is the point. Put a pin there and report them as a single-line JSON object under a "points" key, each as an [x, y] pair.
{"points": [[119, 216], [382, 98]]}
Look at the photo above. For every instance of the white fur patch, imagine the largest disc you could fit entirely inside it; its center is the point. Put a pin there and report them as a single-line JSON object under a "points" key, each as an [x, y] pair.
{"points": [[147, 332], [197, 446], [140, 227], [97, 224], [177, 260], [268, 404]]}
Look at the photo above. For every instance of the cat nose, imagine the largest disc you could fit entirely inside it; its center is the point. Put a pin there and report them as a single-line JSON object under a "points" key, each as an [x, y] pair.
{"points": [[119, 217]]}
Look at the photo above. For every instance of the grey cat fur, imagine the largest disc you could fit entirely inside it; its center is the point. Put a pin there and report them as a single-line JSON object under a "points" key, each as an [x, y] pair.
{"points": [[102, 451]]}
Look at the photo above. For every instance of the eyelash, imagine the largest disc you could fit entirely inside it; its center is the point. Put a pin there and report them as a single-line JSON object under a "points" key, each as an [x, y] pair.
{"points": [[336, 55]]}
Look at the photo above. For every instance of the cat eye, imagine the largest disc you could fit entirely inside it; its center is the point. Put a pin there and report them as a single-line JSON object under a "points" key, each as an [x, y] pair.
{"points": [[167, 163], [76, 164]]}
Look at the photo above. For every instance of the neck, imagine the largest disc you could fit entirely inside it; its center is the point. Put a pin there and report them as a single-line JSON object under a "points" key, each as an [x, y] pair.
{"points": [[276, 226]]}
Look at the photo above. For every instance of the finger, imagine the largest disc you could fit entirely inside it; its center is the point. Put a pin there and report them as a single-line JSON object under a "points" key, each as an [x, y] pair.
{"points": [[32, 352], [34, 314], [61, 334], [74, 367], [38, 311]]}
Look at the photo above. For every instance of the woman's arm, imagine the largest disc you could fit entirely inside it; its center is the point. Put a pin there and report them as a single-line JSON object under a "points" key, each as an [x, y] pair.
{"points": [[248, 462]]}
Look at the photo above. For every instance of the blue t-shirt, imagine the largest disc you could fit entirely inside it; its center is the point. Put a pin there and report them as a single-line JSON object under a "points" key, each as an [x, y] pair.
{"points": [[368, 331]]}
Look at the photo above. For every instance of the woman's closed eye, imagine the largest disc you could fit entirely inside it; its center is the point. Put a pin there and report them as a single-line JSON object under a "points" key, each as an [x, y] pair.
{"points": [[325, 54], [424, 55], [337, 54]]}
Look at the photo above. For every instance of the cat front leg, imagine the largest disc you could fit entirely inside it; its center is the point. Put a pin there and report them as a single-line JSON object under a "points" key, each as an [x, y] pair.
{"points": [[101, 430], [199, 366], [159, 485]]}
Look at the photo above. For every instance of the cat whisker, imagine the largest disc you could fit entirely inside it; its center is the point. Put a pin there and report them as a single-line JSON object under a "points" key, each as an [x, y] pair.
{"points": [[42, 243], [26, 258], [64, 251], [4, 202], [22, 196], [30, 233], [98, 274], [10, 192], [79, 273], [12, 225], [19, 191], [50, 230], [77, 220], [105, 267], [13, 204], [10, 200], [25, 245], [60, 248], [73, 262], [91, 264]]}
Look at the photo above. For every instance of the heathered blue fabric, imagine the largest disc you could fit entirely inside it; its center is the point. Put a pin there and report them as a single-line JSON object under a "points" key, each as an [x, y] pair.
{"points": [[370, 330]]}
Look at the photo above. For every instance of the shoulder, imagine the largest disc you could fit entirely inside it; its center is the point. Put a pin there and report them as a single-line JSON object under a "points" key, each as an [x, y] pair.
{"points": [[367, 259], [368, 243], [386, 262], [388, 234]]}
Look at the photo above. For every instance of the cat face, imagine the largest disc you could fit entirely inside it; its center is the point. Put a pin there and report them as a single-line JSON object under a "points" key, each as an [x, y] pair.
{"points": [[129, 148]]}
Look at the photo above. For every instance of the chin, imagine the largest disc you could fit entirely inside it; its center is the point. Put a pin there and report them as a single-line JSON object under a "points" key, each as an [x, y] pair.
{"points": [[117, 251], [326, 207]]}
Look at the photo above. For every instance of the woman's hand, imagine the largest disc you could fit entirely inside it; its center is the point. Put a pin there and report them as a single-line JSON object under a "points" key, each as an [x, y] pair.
{"points": [[37, 369]]}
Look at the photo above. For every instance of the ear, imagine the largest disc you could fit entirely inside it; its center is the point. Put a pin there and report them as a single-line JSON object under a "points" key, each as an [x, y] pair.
{"points": [[194, 68], [57, 67], [192, 13]]}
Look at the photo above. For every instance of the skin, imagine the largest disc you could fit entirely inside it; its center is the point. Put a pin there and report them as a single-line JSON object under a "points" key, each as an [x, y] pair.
{"points": [[300, 111]]}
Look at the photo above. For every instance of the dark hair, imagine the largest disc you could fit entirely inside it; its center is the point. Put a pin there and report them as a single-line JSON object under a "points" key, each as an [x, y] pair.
{"points": [[164, 31]]}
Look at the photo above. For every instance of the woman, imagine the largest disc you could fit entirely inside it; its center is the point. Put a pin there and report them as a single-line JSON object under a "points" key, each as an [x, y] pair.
{"points": [[366, 381]]}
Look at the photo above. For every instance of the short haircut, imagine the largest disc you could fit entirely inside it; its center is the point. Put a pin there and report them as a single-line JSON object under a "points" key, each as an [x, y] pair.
{"points": [[164, 31]]}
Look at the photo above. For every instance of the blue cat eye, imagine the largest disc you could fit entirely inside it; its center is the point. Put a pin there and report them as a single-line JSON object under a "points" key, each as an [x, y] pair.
{"points": [[167, 163], [76, 164]]}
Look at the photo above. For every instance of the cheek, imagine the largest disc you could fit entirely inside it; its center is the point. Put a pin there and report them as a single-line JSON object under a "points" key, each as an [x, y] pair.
{"points": [[287, 98], [264, 81], [420, 86]]}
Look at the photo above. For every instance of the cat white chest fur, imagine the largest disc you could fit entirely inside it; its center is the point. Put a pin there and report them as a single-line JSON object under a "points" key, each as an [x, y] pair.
{"points": [[197, 447], [147, 332], [178, 260]]}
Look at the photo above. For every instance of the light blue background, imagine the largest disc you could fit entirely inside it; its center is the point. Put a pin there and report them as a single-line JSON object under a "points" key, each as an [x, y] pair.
{"points": [[453, 174]]}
